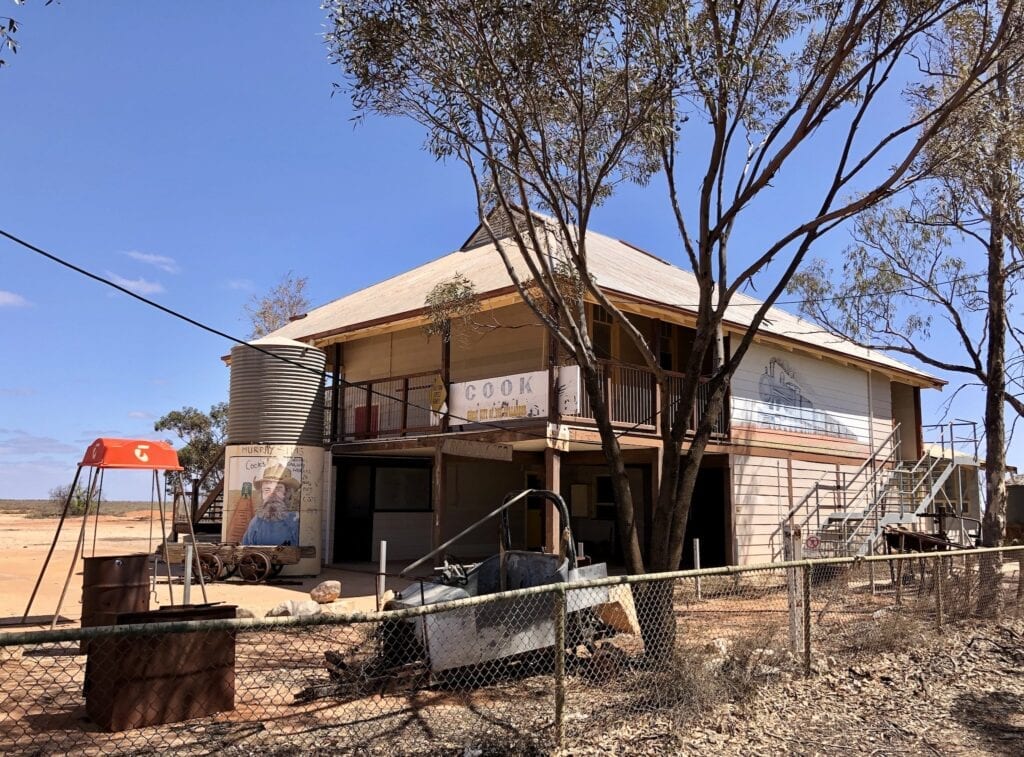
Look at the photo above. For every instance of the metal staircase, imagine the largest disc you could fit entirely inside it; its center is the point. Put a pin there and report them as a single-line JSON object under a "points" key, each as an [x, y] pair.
{"points": [[848, 518]]}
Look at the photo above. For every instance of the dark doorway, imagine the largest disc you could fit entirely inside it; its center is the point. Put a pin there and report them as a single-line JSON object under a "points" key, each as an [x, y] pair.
{"points": [[374, 485], [353, 522], [708, 519], [536, 521]]}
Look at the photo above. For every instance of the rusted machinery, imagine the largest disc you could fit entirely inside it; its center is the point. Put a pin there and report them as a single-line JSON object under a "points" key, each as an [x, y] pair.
{"points": [[252, 563], [494, 638]]}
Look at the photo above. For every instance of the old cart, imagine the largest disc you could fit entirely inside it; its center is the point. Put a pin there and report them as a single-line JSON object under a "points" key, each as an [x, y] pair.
{"points": [[504, 629], [251, 563]]}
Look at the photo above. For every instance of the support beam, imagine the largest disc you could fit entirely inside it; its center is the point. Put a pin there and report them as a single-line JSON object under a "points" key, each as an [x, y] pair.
{"points": [[438, 497], [336, 392], [552, 482]]}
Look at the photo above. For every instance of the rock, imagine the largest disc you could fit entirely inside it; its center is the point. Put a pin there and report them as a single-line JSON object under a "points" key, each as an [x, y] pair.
{"points": [[295, 608], [620, 611], [338, 607], [245, 612], [325, 592], [720, 646]]}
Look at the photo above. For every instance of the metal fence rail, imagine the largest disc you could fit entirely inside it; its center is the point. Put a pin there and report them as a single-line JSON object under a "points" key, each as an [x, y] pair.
{"points": [[524, 671]]}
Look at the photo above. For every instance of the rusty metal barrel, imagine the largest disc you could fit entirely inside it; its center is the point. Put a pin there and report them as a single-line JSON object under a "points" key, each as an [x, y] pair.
{"points": [[112, 585]]}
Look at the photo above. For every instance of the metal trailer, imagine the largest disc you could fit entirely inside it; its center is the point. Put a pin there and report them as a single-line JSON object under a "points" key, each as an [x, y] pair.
{"points": [[475, 635]]}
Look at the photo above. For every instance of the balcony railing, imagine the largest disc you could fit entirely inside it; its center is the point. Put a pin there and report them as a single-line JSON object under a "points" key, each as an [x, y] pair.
{"points": [[632, 393], [379, 409], [396, 407]]}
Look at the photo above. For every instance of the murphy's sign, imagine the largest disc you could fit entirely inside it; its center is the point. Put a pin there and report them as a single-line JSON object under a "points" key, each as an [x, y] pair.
{"points": [[522, 395]]}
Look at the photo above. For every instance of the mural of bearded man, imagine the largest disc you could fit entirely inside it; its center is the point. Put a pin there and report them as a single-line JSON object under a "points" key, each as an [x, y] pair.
{"points": [[275, 521]]}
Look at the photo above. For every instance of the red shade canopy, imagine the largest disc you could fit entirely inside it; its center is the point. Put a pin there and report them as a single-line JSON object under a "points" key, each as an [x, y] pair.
{"points": [[131, 453]]}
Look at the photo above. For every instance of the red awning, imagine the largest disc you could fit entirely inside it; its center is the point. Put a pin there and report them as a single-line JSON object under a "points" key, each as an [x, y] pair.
{"points": [[131, 453]]}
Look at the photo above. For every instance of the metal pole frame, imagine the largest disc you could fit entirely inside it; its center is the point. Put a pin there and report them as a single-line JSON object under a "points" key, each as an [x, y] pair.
{"points": [[53, 544]]}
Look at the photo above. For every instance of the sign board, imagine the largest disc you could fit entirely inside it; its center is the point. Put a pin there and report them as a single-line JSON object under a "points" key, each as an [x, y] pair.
{"points": [[517, 396], [481, 450], [438, 394], [813, 542]]}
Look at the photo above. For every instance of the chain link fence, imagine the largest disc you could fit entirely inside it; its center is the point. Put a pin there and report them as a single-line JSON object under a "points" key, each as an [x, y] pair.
{"points": [[522, 672]]}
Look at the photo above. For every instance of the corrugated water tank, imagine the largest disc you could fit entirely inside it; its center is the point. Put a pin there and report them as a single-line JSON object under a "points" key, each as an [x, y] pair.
{"points": [[277, 393]]}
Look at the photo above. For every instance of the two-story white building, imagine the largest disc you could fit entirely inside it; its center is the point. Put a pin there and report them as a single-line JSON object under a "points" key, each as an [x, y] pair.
{"points": [[804, 407]]}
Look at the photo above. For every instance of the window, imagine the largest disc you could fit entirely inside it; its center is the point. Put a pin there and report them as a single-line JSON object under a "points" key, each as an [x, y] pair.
{"points": [[401, 488], [602, 337], [605, 498], [666, 349]]}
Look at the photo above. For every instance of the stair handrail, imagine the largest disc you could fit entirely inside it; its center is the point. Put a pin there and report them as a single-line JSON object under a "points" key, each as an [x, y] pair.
{"points": [[872, 461], [919, 509], [870, 509], [216, 492], [817, 485]]}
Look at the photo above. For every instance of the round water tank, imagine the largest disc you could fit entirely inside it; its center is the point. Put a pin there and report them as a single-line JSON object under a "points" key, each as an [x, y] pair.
{"points": [[277, 393]]}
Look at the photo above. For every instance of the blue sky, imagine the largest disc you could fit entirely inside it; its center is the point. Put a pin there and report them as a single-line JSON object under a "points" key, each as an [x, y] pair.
{"points": [[193, 152]]}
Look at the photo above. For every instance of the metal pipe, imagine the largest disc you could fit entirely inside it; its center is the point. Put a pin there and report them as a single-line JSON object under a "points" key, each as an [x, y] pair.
{"points": [[188, 572], [696, 565], [509, 501], [241, 624], [79, 545], [381, 572], [560, 607], [53, 544]]}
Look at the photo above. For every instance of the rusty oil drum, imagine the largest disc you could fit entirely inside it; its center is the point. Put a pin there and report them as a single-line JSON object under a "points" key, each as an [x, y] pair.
{"points": [[112, 585]]}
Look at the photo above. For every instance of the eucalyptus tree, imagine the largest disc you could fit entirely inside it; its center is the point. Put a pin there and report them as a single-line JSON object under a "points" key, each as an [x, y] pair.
{"points": [[275, 308], [552, 104], [933, 274]]}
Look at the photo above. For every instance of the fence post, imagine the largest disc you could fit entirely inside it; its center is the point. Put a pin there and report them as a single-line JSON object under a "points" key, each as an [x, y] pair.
{"points": [[807, 618], [696, 565], [382, 572], [188, 572], [560, 667], [939, 571], [792, 546], [1020, 577]]}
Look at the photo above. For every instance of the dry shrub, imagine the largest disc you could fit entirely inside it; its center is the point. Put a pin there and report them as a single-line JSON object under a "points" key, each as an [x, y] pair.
{"points": [[885, 631], [698, 679]]}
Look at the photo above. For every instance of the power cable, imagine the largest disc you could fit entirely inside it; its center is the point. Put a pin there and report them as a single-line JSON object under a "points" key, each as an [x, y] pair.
{"points": [[217, 332], [346, 383]]}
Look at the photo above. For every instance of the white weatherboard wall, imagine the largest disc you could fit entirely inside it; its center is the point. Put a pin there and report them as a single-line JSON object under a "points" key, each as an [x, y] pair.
{"points": [[764, 491], [786, 394]]}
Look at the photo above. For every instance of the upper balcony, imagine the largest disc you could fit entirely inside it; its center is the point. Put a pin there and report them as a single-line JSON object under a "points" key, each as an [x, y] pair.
{"points": [[401, 406]]}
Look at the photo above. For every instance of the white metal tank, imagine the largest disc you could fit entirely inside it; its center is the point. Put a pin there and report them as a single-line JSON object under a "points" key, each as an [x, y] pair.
{"points": [[277, 393]]}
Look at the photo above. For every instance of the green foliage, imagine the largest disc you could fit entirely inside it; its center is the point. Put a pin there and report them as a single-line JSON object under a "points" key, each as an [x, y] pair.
{"points": [[79, 498], [277, 307], [200, 439], [552, 104], [9, 27], [454, 298]]}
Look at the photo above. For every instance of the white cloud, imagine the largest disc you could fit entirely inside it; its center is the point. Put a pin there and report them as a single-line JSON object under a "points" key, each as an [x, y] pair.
{"points": [[164, 263], [139, 285], [243, 284], [141, 414], [16, 391], [12, 300], [20, 444]]}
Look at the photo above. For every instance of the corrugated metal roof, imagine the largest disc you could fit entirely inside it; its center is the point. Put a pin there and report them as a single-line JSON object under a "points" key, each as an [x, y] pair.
{"points": [[617, 266]]}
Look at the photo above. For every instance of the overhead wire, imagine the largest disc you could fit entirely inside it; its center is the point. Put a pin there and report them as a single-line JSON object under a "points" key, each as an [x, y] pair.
{"points": [[346, 383], [241, 342]]}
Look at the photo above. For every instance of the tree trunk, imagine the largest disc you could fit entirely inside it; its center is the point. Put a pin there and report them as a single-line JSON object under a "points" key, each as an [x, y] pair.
{"points": [[994, 523], [625, 512]]}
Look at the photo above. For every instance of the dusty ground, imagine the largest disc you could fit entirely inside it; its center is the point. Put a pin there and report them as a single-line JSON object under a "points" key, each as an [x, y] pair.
{"points": [[961, 696], [25, 540]]}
